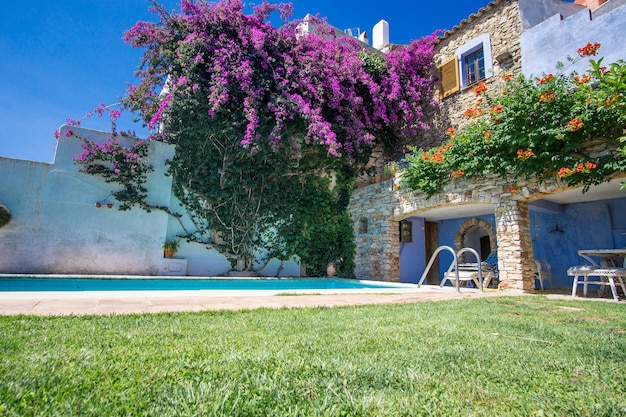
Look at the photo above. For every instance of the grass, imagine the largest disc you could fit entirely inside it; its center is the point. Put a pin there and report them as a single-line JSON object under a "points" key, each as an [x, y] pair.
{"points": [[486, 357]]}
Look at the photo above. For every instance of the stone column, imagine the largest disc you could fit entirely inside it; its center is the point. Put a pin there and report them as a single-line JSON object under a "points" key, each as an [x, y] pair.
{"points": [[378, 254], [514, 245], [392, 252], [377, 245]]}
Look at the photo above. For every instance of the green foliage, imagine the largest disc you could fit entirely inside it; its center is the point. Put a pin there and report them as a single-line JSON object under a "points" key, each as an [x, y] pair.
{"points": [[502, 356], [266, 202], [170, 247], [119, 164], [534, 128], [374, 63], [5, 215], [320, 230], [261, 118]]}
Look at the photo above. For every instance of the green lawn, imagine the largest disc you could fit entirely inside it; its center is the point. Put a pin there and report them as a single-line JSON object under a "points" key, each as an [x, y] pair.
{"points": [[486, 357]]}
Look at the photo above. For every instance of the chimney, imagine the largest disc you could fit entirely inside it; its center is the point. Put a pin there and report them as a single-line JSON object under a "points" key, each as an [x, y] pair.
{"points": [[380, 35], [363, 38]]}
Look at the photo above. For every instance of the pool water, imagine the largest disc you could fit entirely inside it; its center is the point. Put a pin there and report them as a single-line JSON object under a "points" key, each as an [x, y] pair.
{"points": [[160, 284]]}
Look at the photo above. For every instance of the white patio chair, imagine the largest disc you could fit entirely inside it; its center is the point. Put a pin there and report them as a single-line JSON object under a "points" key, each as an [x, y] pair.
{"points": [[542, 272]]}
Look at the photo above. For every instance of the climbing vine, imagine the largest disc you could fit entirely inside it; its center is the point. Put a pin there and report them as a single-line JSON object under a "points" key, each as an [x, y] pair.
{"points": [[535, 127], [125, 165]]}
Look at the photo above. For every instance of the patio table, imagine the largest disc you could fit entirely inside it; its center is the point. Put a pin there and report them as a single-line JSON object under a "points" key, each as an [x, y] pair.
{"points": [[614, 254], [605, 274]]}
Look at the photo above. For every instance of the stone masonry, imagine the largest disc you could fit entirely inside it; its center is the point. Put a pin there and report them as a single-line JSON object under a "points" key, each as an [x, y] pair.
{"points": [[501, 20], [383, 205]]}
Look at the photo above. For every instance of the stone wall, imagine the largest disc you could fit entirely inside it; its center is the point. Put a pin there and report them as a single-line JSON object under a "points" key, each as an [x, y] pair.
{"points": [[385, 204], [377, 256]]}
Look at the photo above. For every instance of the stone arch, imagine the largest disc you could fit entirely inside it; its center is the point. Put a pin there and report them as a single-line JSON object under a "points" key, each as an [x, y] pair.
{"points": [[471, 224]]}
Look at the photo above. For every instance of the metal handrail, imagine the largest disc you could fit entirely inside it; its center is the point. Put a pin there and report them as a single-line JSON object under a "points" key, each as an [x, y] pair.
{"points": [[432, 260], [454, 264]]}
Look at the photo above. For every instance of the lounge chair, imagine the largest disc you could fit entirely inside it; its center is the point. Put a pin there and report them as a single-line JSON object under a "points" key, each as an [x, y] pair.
{"points": [[469, 272]]}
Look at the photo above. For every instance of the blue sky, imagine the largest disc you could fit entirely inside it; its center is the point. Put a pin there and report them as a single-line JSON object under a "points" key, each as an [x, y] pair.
{"points": [[62, 58]]}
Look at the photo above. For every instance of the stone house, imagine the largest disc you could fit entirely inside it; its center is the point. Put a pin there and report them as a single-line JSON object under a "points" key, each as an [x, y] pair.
{"points": [[397, 230], [61, 222]]}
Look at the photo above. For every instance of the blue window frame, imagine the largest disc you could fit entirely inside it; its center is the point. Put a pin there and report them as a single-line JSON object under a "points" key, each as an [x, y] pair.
{"points": [[474, 64], [475, 60]]}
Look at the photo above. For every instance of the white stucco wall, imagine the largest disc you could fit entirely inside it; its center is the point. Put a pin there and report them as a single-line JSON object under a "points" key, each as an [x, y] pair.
{"points": [[555, 39], [56, 228], [533, 12]]}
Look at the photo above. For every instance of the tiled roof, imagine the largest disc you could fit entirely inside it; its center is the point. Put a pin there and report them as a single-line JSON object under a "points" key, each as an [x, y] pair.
{"points": [[470, 18]]}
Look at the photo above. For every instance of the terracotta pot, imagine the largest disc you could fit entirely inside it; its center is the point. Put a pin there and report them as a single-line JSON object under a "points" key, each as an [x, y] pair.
{"points": [[330, 270], [110, 205], [98, 205]]}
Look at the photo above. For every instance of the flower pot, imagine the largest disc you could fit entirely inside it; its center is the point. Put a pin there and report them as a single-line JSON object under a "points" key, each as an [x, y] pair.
{"points": [[110, 205], [98, 205], [168, 253], [330, 270]]}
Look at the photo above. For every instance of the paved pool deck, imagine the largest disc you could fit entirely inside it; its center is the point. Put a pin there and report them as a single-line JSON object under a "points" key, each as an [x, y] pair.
{"points": [[136, 302]]}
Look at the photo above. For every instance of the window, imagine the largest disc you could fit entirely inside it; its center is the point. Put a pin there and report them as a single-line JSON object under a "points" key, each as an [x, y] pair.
{"points": [[474, 64], [475, 60], [363, 225], [406, 231]]}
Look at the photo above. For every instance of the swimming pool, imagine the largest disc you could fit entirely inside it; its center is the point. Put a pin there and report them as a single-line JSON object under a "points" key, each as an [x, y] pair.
{"points": [[67, 284]]}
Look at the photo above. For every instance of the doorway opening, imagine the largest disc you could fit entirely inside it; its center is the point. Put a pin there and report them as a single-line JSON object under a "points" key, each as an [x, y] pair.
{"points": [[476, 234]]}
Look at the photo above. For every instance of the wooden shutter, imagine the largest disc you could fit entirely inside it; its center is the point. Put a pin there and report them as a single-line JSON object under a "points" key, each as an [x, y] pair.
{"points": [[449, 77]]}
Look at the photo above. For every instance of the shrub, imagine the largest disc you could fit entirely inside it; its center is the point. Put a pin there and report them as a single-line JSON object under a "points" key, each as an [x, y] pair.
{"points": [[5, 215], [534, 127]]}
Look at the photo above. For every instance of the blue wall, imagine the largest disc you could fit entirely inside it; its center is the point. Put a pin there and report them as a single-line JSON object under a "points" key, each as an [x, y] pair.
{"points": [[594, 225], [555, 39], [413, 255], [447, 230]]}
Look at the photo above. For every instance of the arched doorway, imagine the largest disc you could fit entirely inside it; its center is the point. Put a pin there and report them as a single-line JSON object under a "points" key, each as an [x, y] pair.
{"points": [[476, 234]]}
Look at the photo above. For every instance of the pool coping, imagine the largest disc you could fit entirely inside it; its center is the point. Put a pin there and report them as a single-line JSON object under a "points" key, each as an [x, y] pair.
{"points": [[139, 302], [58, 303]]}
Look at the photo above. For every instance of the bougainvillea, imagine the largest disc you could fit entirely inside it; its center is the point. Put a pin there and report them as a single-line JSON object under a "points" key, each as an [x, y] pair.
{"points": [[270, 124], [535, 127]]}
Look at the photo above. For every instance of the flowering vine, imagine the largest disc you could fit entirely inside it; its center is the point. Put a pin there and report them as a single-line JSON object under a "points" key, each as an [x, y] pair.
{"points": [[124, 165], [537, 126], [263, 118]]}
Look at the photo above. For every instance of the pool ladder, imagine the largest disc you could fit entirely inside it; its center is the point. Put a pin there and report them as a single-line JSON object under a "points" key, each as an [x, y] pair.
{"points": [[454, 265]]}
